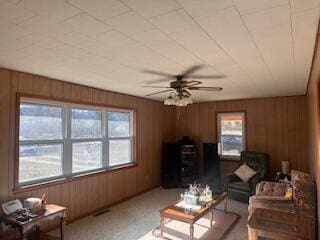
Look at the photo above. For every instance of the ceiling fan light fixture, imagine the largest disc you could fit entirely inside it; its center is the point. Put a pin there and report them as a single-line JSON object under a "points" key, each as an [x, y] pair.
{"points": [[181, 103], [189, 100], [169, 101]]}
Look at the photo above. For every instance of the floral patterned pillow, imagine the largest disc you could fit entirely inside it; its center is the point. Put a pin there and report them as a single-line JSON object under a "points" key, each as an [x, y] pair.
{"points": [[298, 175], [304, 197]]}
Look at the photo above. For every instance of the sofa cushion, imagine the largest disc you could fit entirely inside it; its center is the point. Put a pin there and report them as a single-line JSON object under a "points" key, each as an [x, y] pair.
{"points": [[286, 206], [273, 190], [244, 172], [242, 186]]}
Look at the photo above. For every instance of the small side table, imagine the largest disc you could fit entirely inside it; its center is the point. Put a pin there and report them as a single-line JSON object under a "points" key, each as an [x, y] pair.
{"points": [[278, 225], [51, 212]]}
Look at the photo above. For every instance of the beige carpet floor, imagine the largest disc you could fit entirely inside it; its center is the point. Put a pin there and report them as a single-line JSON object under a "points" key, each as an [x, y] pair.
{"points": [[136, 219]]}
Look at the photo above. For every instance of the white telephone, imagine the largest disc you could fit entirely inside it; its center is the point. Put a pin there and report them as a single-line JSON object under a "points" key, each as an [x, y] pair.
{"points": [[12, 206]]}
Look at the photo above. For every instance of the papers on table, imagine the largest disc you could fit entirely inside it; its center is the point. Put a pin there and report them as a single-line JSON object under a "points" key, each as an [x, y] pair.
{"points": [[184, 205]]}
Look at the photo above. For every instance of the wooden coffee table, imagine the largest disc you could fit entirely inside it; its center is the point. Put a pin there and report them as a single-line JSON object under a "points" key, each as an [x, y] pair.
{"points": [[178, 214]]}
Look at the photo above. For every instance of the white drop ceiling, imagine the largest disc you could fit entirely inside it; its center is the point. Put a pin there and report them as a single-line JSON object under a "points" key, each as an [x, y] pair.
{"points": [[264, 47]]}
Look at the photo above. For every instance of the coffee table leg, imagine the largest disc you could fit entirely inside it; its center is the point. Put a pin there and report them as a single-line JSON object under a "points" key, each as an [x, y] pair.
{"points": [[161, 226], [62, 225], [191, 231], [252, 234], [226, 204], [211, 218]]}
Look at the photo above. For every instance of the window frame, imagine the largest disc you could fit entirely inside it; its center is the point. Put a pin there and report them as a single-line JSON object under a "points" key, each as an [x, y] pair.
{"points": [[67, 140], [85, 140], [108, 139], [244, 134]]}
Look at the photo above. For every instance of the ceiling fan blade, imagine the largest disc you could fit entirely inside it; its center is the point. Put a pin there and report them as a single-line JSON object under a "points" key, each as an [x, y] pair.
{"points": [[169, 90], [206, 88], [155, 87], [159, 73], [160, 80], [191, 70], [206, 76], [192, 83]]}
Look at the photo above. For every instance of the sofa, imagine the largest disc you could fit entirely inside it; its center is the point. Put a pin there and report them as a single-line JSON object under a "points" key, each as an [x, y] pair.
{"points": [[239, 190], [276, 196]]}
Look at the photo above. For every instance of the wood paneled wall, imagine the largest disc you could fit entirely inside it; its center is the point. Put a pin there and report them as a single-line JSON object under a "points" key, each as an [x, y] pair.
{"points": [[314, 118], [276, 126], [84, 196]]}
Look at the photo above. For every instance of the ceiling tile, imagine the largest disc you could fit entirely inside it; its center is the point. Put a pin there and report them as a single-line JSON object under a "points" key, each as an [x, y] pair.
{"points": [[278, 39], [129, 23], [85, 24], [298, 5], [190, 37], [10, 57], [101, 9], [12, 43], [176, 21], [45, 26], [41, 41], [176, 53], [152, 8], [213, 55], [198, 8], [113, 39], [221, 22], [78, 40], [304, 26], [227, 29], [14, 13], [268, 18], [250, 6], [55, 9], [151, 37], [14, 1], [11, 30], [69, 51], [37, 52]]}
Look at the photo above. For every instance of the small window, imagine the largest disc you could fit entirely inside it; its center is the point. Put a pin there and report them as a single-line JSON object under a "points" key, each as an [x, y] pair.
{"points": [[119, 138], [231, 134], [41, 142]]}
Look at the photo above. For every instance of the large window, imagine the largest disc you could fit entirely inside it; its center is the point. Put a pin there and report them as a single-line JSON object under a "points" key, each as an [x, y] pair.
{"points": [[61, 140], [231, 134]]}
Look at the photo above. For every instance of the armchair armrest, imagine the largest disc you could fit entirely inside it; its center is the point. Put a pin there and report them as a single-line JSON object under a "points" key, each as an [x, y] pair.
{"points": [[254, 181], [229, 178]]}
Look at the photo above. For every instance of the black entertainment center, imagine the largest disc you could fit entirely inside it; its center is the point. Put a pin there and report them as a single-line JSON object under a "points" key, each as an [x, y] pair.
{"points": [[180, 164]]}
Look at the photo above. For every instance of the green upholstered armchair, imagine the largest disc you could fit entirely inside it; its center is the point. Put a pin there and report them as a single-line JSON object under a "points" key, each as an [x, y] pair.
{"points": [[239, 190]]}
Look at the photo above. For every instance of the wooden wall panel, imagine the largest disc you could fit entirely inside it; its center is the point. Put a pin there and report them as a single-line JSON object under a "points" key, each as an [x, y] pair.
{"points": [[85, 195], [313, 119], [5, 85], [276, 126]]}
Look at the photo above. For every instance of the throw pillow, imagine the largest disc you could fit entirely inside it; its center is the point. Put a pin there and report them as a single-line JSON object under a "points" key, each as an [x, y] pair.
{"points": [[301, 176], [244, 172], [304, 196]]}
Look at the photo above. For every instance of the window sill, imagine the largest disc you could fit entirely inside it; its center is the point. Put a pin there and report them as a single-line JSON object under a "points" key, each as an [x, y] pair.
{"points": [[230, 158], [62, 180]]}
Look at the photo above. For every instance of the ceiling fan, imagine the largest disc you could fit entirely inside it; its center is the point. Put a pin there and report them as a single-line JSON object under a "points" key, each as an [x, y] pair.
{"points": [[180, 88]]}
